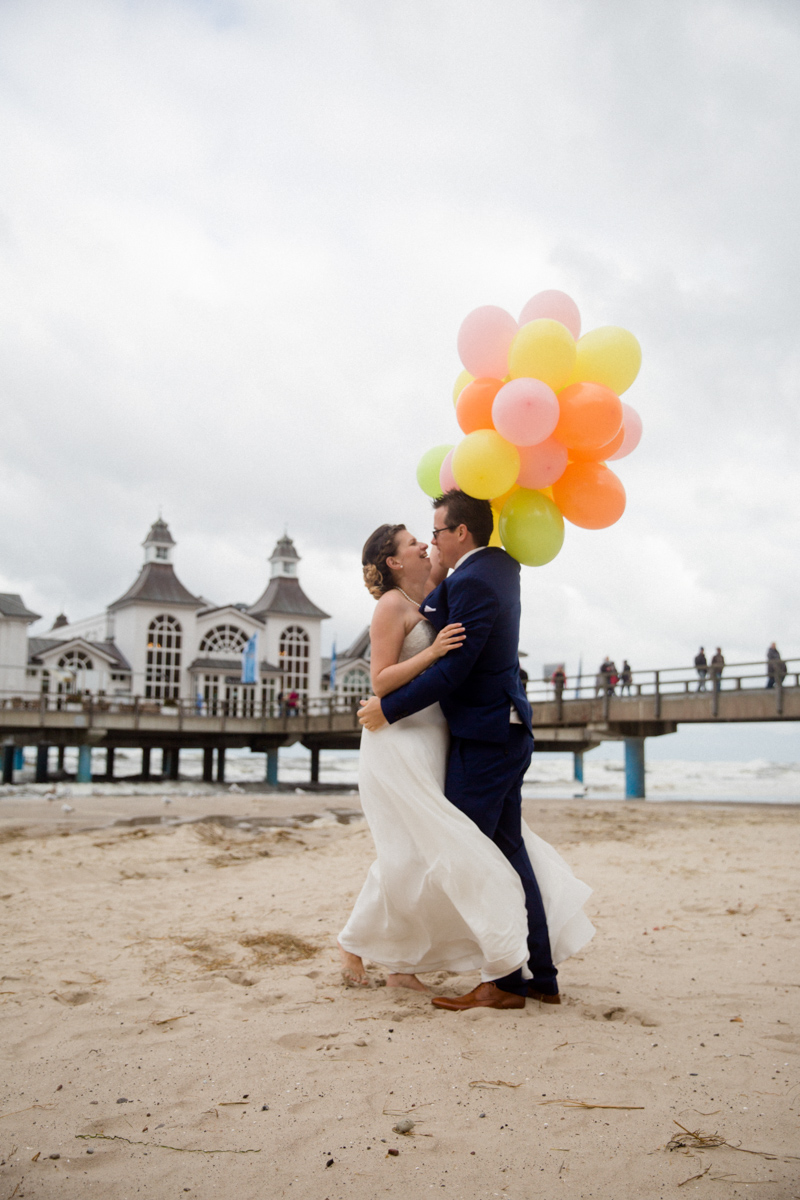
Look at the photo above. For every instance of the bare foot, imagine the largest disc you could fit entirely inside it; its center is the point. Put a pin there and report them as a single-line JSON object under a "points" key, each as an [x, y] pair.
{"points": [[353, 973], [406, 981]]}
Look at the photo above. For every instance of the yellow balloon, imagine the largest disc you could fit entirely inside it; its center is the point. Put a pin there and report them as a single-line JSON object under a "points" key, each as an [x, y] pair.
{"points": [[608, 355], [545, 350], [464, 378], [485, 464], [499, 501], [495, 539]]}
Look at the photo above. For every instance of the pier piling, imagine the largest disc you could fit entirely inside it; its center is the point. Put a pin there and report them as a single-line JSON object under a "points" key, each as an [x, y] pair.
{"points": [[634, 768]]}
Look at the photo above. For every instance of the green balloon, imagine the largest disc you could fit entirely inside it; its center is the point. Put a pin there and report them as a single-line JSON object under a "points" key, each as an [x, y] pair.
{"points": [[428, 470], [531, 528]]}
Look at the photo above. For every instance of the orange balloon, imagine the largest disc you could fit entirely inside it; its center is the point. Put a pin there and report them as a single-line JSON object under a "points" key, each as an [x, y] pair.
{"points": [[598, 453], [474, 405], [590, 495], [591, 415]]}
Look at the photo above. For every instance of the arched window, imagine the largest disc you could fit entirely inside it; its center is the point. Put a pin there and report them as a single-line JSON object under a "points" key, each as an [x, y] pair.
{"points": [[294, 650], [76, 660], [355, 683], [224, 639], [163, 675]]}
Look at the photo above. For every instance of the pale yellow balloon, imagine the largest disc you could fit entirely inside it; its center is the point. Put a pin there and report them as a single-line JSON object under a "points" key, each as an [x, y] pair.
{"points": [[485, 464], [495, 539], [543, 349], [464, 378], [609, 355]]}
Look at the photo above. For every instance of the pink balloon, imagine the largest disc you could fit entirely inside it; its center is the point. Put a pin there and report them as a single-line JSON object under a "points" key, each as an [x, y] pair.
{"points": [[484, 339], [543, 464], [558, 306], [525, 411], [632, 424], [446, 478]]}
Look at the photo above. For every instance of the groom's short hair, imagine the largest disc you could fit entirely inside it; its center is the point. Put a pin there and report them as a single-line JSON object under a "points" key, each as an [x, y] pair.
{"points": [[466, 510]]}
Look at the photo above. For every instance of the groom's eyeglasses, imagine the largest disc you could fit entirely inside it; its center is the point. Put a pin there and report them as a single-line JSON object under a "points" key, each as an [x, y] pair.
{"points": [[436, 532]]}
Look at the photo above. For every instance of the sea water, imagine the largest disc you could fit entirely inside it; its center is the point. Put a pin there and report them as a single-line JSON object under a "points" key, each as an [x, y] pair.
{"points": [[756, 781]]}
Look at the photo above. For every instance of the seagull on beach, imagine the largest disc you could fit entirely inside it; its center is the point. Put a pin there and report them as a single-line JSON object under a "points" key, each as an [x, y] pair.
{"points": [[67, 808]]}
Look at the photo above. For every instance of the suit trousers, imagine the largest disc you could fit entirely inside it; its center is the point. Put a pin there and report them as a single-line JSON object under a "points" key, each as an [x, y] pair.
{"points": [[484, 780]]}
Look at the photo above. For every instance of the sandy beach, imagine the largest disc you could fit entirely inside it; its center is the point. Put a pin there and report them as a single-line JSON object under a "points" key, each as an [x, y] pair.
{"points": [[174, 1022]]}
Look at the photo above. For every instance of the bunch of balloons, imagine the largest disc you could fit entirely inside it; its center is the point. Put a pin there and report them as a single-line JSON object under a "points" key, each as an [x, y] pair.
{"points": [[540, 409]]}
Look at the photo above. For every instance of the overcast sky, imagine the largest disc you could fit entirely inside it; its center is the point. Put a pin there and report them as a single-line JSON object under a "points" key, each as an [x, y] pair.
{"points": [[238, 240]]}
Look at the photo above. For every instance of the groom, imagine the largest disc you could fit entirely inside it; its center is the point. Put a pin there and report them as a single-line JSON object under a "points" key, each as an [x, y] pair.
{"points": [[482, 697]]}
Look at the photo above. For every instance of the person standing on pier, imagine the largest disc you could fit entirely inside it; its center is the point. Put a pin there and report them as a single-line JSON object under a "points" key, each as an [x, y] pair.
{"points": [[776, 667], [626, 677], [701, 666], [717, 667]]}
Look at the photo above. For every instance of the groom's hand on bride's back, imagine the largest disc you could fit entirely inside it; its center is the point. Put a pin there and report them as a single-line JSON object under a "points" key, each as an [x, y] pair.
{"points": [[371, 714], [449, 638]]}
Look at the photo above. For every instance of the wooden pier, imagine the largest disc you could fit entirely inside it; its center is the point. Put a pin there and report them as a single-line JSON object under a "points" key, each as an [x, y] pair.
{"points": [[582, 716]]}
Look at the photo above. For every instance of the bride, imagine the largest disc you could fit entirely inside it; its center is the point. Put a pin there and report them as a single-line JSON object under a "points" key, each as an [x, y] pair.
{"points": [[440, 895]]}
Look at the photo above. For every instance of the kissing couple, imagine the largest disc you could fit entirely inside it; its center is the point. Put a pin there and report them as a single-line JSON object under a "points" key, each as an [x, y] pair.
{"points": [[460, 882]]}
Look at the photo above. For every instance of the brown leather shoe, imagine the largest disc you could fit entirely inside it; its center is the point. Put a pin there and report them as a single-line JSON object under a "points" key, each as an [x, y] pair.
{"points": [[544, 997], [485, 995]]}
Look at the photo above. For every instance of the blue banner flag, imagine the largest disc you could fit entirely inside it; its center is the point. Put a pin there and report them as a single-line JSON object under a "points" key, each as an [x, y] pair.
{"points": [[332, 685], [250, 660]]}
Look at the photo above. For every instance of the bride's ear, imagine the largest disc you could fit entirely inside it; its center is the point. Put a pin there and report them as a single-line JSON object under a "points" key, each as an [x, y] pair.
{"points": [[394, 564]]}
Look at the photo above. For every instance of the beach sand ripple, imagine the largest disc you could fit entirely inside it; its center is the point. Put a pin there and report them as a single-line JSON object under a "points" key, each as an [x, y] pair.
{"points": [[174, 1021]]}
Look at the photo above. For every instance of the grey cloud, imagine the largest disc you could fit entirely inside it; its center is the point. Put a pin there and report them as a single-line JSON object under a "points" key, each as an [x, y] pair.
{"points": [[239, 240]]}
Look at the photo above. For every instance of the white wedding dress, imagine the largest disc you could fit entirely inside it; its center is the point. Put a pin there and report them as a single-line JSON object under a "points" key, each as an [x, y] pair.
{"points": [[440, 895]]}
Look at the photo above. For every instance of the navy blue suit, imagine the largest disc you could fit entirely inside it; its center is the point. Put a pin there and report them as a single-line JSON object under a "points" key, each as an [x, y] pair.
{"points": [[477, 685]]}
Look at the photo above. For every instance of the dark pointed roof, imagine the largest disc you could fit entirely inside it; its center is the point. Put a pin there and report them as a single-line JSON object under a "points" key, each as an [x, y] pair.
{"points": [[12, 605], [158, 584], [284, 548], [159, 532], [39, 646], [60, 621], [360, 647], [232, 666], [208, 610], [285, 595]]}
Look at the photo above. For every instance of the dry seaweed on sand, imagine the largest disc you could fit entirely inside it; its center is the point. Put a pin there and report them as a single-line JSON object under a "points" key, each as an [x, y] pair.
{"points": [[205, 954], [278, 947], [570, 1103], [492, 1083], [12, 833], [692, 1178], [17, 1111], [695, 1139], [403, 1112], [108, 1137], [210, 832], [233, 847]]}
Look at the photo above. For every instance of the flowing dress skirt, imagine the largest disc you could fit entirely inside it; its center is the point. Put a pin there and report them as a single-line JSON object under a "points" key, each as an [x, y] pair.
{"points": [[440, 895]]}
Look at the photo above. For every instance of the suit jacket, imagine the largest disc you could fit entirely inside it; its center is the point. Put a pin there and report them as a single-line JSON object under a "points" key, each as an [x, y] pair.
{"points": [[477, 684]]}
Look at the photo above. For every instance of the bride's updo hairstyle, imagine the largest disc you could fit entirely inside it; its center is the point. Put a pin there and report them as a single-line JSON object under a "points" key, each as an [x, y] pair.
{"points": [[379, 546]]}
